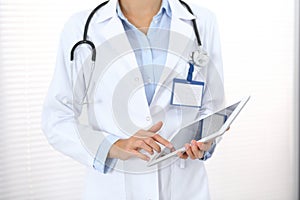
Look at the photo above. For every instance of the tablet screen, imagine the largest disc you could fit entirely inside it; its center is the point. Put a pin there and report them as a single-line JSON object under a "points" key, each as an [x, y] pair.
{"points": [[201, 129]]}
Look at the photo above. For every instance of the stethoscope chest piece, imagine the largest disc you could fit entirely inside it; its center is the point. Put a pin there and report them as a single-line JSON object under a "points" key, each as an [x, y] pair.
{"points": [[200, 57]]}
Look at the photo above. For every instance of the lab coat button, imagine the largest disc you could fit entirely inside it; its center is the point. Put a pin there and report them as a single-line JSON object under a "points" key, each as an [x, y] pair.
{"points": [[136, 79], [148, 118]]}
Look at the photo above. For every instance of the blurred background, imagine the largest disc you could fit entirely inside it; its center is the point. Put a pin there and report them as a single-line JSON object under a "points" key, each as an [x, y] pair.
{"points": [[257, 159]]}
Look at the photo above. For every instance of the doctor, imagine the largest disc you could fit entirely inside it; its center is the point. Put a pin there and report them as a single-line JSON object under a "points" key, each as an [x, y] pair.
{"points": [[126, 126]]}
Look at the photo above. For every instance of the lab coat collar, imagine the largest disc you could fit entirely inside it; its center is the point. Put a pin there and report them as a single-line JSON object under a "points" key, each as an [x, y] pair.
{"points": [[109, 10], [179, 11], [106, 12]]}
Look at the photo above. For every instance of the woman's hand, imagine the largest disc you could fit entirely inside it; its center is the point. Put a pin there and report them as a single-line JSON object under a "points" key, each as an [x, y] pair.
{"points": [[195, 150], [147, 140]]}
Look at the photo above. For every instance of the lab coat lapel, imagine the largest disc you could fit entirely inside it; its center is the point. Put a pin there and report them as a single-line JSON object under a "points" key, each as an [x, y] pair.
{"points": [[117, 46], [180, 43], [115, 35]]}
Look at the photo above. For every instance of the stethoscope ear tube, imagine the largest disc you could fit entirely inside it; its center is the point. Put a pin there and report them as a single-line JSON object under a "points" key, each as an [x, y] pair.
{"points": [[91, 44]]}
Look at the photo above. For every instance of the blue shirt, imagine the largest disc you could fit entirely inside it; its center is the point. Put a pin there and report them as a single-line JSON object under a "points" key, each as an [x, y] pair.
{"points": [[151, 52], [150, 49]]}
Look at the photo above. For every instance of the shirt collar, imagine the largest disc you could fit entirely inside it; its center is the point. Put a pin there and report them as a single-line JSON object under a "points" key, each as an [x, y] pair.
{"points": [[165, 7], [173, 8]]}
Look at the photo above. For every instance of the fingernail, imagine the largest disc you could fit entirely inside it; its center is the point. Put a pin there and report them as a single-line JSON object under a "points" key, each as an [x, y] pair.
{"points": [[170, 146], [187, 146]]}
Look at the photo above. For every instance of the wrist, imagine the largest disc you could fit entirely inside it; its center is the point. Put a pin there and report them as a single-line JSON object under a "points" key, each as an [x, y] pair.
{"points": [[114, 151]]}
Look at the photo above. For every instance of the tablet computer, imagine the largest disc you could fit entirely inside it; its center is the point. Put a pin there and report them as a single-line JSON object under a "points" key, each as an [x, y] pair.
{"points": [[203, 129]]}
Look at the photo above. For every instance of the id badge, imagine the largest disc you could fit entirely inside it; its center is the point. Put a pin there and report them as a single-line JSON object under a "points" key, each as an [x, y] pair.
{"points": [[187, 93]]}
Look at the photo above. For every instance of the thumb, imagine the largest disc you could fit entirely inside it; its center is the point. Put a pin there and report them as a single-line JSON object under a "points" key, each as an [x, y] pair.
{"points": [[156, 127]]}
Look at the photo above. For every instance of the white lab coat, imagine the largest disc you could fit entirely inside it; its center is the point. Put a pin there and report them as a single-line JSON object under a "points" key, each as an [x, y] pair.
{"points": [[65, 133]]}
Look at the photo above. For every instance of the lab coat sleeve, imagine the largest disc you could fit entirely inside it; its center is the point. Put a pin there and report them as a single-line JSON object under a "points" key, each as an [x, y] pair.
{"points": [[214, 95], [102, 163], [209, 153], [215, 77], [60, 117]]}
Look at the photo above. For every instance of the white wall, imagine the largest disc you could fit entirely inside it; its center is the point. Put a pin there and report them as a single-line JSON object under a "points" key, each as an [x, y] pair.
{"points": [[255, 160]]}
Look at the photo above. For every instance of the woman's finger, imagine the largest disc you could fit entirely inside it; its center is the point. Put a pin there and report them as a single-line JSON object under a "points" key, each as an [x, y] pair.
{"points": [[189, 152], [204, 146], [142, 145], [140, 155], [152, 144], [162, 141], [182, 155], [195, 149]]}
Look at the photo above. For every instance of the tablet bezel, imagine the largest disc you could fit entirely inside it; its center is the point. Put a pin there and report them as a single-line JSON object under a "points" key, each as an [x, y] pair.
{"points": [[154, 160]]}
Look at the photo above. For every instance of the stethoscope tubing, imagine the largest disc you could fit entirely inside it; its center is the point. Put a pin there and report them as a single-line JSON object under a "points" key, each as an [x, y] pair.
{"points": [[91, 44], [86, 29], [93, 47], [193, 21]]}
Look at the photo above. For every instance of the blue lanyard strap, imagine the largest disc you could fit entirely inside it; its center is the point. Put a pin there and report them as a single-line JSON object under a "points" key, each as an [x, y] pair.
{"points": [[190, 74]]}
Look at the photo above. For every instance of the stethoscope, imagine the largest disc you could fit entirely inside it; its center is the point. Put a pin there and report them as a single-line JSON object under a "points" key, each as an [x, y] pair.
{"points": [[199, 57]]}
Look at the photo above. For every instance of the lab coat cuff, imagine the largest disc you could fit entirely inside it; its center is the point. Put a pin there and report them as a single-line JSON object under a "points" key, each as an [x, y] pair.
{"points": [[101, 162], [209, 153]]}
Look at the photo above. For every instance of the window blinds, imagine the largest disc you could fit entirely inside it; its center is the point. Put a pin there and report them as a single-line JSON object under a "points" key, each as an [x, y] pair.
{"points": [[29, 167]]}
